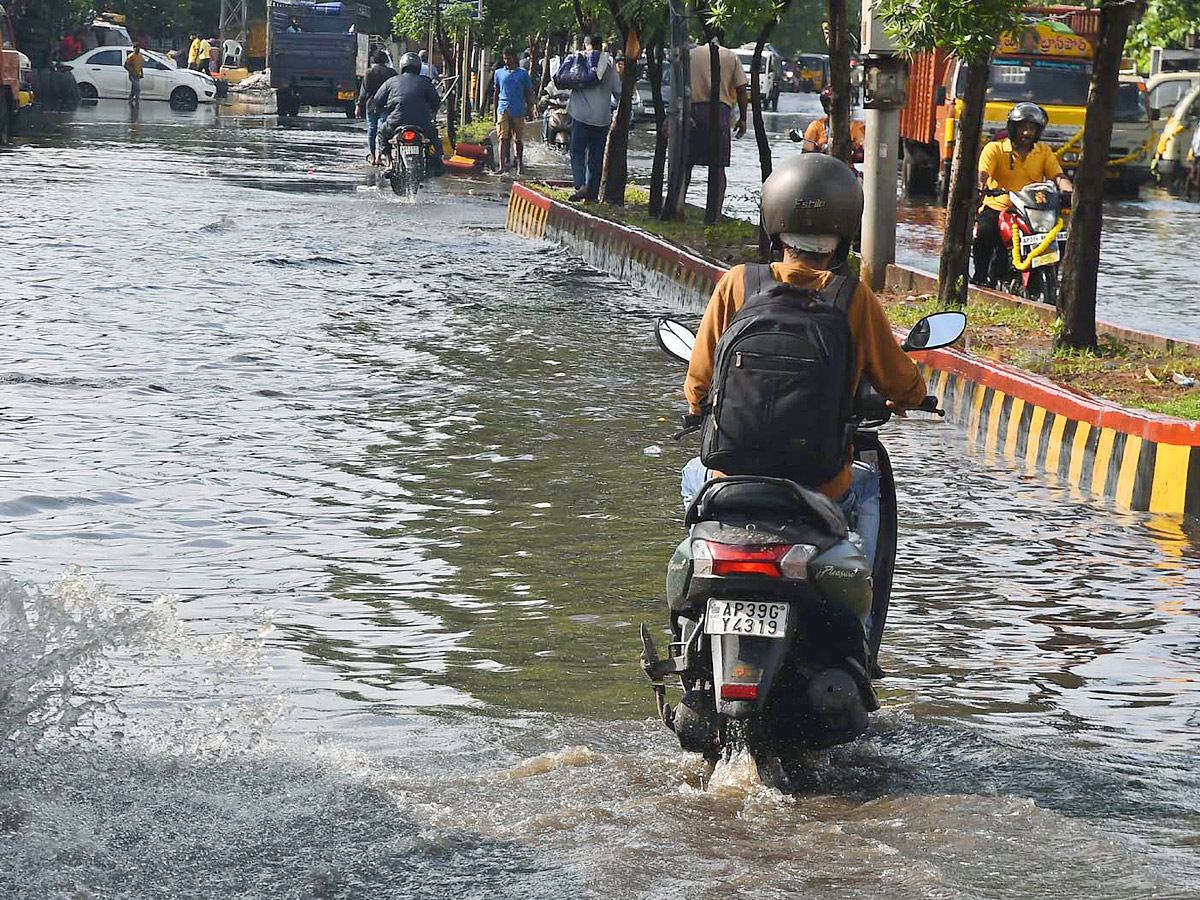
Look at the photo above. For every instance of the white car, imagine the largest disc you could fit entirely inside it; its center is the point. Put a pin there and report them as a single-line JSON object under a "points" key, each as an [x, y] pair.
{"points": [[100, 73]]}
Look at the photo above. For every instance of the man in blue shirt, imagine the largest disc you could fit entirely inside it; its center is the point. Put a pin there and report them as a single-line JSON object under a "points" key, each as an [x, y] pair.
{"points": [[512, 92]]}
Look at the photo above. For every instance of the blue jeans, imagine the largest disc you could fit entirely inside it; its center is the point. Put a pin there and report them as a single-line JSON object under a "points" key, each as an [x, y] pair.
{"points": [[372, 130], [860, 503], [587, 157]]}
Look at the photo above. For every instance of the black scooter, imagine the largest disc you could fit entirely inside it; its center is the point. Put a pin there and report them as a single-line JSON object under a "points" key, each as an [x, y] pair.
{"points": [[412, 161], [776, 618]]}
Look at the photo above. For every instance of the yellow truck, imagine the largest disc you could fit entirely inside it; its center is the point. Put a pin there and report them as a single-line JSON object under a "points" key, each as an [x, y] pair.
{"points": [[1047, 62]]}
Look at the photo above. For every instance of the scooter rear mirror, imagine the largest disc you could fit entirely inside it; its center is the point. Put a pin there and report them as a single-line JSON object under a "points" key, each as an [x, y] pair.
{"points": [[675, 338], [937, 330]]}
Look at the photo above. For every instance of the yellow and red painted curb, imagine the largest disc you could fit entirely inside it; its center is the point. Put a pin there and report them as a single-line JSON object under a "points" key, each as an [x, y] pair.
{"points": [[1139, 459]]}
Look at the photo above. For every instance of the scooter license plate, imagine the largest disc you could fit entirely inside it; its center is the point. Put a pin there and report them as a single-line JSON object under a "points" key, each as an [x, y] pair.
{"points": [[754, 618], [1046, 259], [409, 150]]}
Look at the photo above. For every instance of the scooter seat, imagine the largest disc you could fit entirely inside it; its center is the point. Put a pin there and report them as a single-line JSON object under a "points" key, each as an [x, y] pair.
{"points": [[751, 495]]}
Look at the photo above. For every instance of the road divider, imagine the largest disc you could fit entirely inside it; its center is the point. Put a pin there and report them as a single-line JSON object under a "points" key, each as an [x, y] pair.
{"points": [[1140, 460]]}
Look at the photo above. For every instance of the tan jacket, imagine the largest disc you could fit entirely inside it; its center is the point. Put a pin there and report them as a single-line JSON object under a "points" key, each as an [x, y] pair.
{"points": [[875, 347]]}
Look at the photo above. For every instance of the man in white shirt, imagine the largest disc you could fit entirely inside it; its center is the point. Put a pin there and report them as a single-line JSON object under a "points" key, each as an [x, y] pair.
{"points": [[732, 87]]}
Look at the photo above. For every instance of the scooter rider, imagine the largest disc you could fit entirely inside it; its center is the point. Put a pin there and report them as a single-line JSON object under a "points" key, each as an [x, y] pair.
{"points": [[1009, 165], [816, 135], [408, 99], [811, 205]]}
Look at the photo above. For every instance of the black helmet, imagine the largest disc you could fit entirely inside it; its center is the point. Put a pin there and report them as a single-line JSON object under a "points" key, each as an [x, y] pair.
{"points": [[410, 62], [814, 199], [1027, 111]]}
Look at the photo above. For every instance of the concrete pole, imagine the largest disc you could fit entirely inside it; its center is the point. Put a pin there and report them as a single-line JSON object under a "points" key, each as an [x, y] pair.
{"points": [[879, 190], [880, 156]]}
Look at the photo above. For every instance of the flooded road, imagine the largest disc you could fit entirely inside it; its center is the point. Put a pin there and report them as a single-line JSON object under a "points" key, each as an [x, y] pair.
{"points": [[332, 518], [1150, 272]]}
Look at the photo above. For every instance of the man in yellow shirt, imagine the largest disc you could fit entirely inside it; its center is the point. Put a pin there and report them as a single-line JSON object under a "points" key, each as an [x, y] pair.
{"points": [[134, 65], [1009, 165], [193, 61]]}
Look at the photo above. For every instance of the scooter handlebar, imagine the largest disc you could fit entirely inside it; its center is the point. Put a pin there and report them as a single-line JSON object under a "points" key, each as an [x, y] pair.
{"points": [[930, 405]]}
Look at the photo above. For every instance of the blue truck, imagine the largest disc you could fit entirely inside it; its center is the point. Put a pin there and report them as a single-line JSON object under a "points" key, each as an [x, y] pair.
{"points": [[317, 53]]}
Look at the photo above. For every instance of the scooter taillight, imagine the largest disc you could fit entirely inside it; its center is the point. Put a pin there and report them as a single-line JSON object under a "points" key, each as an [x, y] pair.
{"points": [[408, 136], [772, 560], [739, 692]]}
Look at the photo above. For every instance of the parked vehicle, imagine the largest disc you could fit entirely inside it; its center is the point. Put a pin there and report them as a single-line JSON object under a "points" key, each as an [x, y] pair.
{"points": [[1048, 62], [324, 62], [646, 93], [556, 121], [411, 149], [766, 600], [1168, 88], [101, 74], [813, 74], [1032, 234], [769, 73], [1170, 163], [10, 79]]}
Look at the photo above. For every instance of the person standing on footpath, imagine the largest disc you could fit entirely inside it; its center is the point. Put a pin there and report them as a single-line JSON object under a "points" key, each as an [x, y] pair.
{"points": [[377, 76], [732, 87], [133, 66], [512, 92], [590, 108], [193, 61]]}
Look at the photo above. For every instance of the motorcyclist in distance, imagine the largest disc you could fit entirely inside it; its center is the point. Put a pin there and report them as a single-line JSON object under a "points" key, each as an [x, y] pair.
{"points": [[817, 135], [408, 99], [1010, 164], [811, 207]]}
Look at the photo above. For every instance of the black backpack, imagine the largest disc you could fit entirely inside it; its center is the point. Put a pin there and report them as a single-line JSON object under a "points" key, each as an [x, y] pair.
{"points": [[781, 389]]}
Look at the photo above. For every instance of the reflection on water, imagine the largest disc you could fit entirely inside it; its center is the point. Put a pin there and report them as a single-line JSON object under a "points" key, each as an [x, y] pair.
{"points": [[390, 460]]}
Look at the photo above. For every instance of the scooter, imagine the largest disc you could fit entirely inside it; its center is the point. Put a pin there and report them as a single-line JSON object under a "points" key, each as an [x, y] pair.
{"points": [[776, 618], [412, 154], [556, 121], [1032, 232]]}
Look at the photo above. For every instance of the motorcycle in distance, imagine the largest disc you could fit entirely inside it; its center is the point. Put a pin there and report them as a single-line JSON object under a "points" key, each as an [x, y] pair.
{"points": [[556, 121], [768, 596], [1032, 235], [411, 151]]}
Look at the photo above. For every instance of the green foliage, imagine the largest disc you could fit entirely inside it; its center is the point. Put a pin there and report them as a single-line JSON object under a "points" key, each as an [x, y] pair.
{"points": [[968, 28], [1165, 23]]}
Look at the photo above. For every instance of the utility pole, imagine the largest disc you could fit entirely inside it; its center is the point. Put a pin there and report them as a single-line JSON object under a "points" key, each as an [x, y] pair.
{"points": [[677, 114], [885, 89]]}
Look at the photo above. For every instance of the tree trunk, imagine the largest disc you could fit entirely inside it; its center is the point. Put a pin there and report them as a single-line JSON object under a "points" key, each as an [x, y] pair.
{"points": [[680, 113], [618, 136], [1081, 260], [447, 67], [962, 205], [839, 82], [760, 129], [654, 71], [585, 24], [712, 202]]}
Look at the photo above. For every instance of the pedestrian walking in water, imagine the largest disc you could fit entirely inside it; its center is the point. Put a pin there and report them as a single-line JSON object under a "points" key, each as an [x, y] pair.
{"points": [[377, 76], [133, 66], [193, 58], [730, 89], [590, 108], [513, 92]]}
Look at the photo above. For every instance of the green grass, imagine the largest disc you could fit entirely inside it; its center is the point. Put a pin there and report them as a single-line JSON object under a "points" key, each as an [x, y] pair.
{"points": [[1021, 320], [475, 131], [729, 241], [1185, 407]]}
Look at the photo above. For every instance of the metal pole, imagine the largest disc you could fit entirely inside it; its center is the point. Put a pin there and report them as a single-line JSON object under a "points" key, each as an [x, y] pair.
{"points": [[879, 190]]}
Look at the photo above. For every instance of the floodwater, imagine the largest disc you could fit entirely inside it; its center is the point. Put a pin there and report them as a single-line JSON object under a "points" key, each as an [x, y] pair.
{"points": [[331, 519], [1150, 272]]}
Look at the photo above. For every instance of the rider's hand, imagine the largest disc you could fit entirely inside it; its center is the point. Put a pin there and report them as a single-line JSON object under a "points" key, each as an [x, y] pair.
{"points": [[897, 410]]}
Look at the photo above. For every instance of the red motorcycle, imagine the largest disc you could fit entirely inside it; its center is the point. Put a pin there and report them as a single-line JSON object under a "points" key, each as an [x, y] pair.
{"points": [[1032, 232]]}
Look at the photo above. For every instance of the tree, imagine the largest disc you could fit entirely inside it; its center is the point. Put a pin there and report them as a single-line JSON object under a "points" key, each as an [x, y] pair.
{"points": [[1081, 260], [971, 32], [633, 18], [1165, 23], [839, 82]]}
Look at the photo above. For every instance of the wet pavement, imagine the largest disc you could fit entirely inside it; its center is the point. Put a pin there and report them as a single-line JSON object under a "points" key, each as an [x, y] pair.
{"points": [[404, 480], [1150, 272]]}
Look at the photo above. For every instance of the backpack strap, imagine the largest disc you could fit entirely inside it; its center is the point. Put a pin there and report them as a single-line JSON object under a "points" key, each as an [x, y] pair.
{"points": [[755, 276], [840, 291]]}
